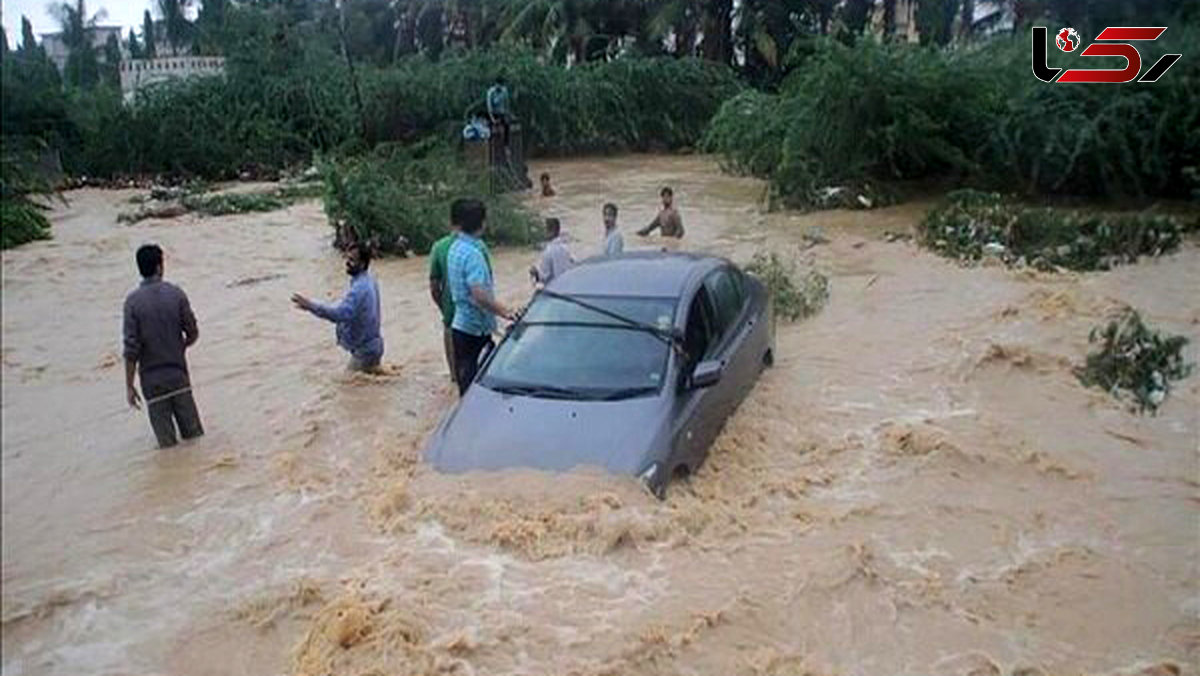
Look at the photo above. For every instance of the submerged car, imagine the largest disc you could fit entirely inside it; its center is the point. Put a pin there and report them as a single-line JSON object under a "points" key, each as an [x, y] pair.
{"points": [[631, 363]]}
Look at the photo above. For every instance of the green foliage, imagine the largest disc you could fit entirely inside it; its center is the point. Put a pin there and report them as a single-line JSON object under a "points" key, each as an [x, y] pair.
{"points": [[399, 198], [875, 112], [897, 112], [171, 202], [223, 204], [747, 131], [1134, 361], [623, 104], [286, 96], [795, 295], [972, 224], [21, 216], [1134, 139], [21, 221]]}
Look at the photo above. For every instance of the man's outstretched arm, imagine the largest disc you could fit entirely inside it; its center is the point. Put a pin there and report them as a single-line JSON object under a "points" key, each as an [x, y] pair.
{"points": [[656, 223]]}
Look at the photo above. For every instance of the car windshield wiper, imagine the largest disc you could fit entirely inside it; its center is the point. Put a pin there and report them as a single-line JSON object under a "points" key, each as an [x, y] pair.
{"points": [[627, 393], [668, 336], [542, 391]]}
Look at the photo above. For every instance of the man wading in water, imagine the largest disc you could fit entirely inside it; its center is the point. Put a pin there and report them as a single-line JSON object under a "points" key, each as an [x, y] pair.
{"points": [[668, 221], [556, 256], [470, 279], [439, 288], [614, 244], [357, 315], [158, 328]]}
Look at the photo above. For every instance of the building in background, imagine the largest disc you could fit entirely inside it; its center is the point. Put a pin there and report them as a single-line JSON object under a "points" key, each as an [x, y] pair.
{"points": [[58, 51], [137, 74]]}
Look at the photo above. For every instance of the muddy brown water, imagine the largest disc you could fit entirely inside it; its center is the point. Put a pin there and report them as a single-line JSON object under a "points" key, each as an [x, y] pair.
{"points": [[918, 487]]}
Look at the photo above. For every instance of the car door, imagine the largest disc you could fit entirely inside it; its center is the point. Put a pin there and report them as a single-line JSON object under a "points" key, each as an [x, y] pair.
{"points": [[694, 408], [732, 344], [720, 304]]}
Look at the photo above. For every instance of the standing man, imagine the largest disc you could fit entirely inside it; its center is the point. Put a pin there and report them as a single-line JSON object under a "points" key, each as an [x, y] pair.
{"points": [[439, 287], [614, 243], [158, 329], [498, 103], [473, 291], [357, 315], [556, 257], [668, 220]]}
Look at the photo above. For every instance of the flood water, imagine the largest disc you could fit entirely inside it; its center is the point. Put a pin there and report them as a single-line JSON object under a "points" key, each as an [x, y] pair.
{"points": [[919, 486]]}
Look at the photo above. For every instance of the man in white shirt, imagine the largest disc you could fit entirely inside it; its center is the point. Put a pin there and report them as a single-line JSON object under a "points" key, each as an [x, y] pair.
{"points": [[556, 257], [614, 243]]}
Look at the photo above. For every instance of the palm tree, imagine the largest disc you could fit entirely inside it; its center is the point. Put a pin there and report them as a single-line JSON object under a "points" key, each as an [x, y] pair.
{"points": [[179, 29], [679, 20], [77, 31], [561, 27]]}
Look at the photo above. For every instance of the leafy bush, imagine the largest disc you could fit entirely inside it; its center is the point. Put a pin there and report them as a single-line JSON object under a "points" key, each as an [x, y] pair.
{"points": [[171, 202], [1134, 361], [399, 198], [624, 104], [265, 115], [883, 112], [21, 217], [795, 295], [972, 224], [878, 111]]}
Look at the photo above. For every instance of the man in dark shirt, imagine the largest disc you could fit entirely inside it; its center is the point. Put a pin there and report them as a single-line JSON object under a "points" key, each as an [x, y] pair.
{"points": [[159, 327]]}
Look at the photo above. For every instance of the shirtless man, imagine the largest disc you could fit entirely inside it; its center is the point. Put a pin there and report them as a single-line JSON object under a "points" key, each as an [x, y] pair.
{"points": [[668, 220]]}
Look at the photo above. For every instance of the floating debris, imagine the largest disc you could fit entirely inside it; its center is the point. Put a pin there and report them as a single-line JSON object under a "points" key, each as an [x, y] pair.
{"points": [[796, 294], [1135, 361], [974, 225]]}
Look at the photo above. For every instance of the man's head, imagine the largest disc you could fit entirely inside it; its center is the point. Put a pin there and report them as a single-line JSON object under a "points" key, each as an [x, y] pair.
{"points": [[150, 260], [502, 80], [469, 215], [358, 259], [610, 216], [553, 228], [668, 196], [545, 179]]}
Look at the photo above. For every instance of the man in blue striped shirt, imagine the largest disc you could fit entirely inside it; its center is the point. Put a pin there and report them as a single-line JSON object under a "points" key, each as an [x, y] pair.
{"points": [[357, 315], [473, 290]]}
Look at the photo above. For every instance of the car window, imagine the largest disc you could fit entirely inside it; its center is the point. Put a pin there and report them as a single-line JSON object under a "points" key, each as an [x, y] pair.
{"points": [[727, 292], [562, 345], [697, 337]]}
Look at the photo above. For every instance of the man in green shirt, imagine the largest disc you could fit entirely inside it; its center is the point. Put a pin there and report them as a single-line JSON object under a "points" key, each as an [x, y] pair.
{"points": [[439, 289]]}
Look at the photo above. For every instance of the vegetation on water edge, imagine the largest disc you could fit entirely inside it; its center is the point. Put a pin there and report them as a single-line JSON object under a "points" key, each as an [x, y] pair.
{"points": [[22, 217], [971, 225], [850, 117], [195, 198], [1134, 362], [796, 294], [398, 198]]}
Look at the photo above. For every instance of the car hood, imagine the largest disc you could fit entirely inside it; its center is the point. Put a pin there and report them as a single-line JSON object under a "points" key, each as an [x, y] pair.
{"points": [[489, 431]]}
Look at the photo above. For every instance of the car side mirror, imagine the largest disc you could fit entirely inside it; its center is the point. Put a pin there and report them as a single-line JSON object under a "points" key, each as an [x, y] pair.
{"points": [[707, 373]]}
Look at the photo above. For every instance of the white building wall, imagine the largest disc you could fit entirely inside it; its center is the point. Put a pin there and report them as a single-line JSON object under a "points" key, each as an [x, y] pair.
{"points": [[138, 73]]}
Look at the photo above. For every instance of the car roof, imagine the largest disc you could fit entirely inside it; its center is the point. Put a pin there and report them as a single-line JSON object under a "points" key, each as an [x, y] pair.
{"points": [[639, 273]]}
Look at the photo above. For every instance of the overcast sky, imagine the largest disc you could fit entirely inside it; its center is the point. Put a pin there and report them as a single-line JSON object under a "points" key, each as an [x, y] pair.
{"points": [[125, 13]]}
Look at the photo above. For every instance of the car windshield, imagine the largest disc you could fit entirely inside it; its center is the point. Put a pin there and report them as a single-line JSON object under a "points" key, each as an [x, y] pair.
{"points": [[561, 349]]}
